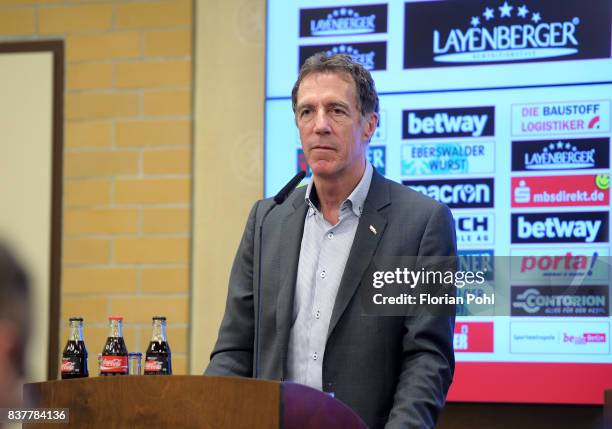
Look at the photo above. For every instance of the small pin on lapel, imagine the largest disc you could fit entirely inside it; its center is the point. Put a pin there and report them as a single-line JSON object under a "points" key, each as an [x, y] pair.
{"points": [[373, 230]]}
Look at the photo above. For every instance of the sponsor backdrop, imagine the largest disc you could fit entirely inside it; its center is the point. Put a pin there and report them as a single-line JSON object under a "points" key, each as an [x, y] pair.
{"points": [[501, 110]]}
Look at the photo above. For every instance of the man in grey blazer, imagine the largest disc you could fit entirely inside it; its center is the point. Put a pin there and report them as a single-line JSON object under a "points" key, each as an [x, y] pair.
{"points": [[300, 316]]}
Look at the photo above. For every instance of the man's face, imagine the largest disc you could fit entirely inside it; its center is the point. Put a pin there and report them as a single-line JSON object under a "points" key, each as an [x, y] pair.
{"points": [[334, 136]]}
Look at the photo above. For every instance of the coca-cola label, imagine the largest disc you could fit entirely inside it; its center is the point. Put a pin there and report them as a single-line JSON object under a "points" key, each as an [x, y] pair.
{"points": [[114, 364], [68, 365], [71, 364], [156, 364]]}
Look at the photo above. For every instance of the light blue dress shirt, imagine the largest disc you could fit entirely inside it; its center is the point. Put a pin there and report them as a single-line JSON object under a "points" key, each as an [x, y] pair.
{"points": [[323, 254]]}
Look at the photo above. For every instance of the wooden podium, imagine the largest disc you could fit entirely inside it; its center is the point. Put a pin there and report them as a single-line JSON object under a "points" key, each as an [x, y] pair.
{"points": [[183, 401]]}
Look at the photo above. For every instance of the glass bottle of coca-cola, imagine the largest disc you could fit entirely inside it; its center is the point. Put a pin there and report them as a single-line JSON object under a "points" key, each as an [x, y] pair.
{"points": [[158, 360], [115, 354], [74, 357]]}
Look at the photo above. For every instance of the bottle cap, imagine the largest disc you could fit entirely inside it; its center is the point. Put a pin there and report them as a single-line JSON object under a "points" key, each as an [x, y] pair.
{"points": [[159, 317], [115, 317], [75, 319]]}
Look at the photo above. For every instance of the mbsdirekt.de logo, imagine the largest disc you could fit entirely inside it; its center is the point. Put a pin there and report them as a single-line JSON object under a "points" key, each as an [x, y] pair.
{"points": [[561, 191], [489, 31], [343, 21]]}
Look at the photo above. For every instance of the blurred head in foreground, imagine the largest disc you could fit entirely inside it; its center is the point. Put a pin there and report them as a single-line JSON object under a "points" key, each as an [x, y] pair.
{"points": [[14, 315]]}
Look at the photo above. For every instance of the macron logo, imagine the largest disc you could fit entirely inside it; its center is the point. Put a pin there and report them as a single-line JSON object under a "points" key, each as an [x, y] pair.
{"points": [[443, 123], [553, 228]]}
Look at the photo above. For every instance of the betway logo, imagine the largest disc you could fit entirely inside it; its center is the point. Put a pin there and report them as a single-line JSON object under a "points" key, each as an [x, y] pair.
{"points": [[462, 122], [442, 123], [587, 227], [556, 228]]}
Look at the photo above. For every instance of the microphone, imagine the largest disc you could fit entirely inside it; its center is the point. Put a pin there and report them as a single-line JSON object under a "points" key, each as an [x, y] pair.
{"points": [[278, 200], [288, 188]]}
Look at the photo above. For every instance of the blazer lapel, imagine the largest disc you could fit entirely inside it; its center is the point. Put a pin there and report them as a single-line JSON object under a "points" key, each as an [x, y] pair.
{"points": [[370, 229], [291, 240]]}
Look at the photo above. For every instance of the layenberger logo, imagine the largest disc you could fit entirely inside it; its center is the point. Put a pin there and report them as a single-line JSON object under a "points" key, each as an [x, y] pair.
{"points": [[530, 39], [342, 21], [371, 55], [482, 32], [566, 154]]}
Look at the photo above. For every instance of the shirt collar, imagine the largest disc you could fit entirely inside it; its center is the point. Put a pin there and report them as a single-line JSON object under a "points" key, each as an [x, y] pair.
{"points": [[355, 200]]}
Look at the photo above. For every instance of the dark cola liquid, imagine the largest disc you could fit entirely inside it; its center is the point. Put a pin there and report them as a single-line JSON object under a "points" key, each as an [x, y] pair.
{"points": [[74, 360], [114, 357], [158, 360]]}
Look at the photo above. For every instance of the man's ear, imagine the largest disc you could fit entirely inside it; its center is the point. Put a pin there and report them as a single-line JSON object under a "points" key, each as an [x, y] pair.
{"points": [[371, 122]]}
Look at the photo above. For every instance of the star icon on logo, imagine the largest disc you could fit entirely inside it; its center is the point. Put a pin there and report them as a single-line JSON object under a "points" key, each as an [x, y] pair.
{"points": [[535, 17], [489, 13], [522, 11], [505, 10], [475, 21]]}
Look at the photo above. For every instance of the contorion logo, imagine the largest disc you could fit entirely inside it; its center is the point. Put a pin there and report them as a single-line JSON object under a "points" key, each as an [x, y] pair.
{"points": [[559, 301], [481, 32]]}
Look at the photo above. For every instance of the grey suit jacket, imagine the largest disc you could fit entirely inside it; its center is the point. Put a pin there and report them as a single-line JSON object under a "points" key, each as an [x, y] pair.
{"points": [[392, 371]]}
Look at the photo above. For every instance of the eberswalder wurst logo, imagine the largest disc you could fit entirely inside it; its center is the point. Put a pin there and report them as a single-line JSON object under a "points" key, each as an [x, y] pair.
{"points": [[481, 32]]}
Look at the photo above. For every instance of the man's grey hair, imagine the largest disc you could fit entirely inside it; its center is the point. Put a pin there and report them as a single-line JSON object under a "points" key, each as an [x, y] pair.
{"points": [[367, 97]]}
